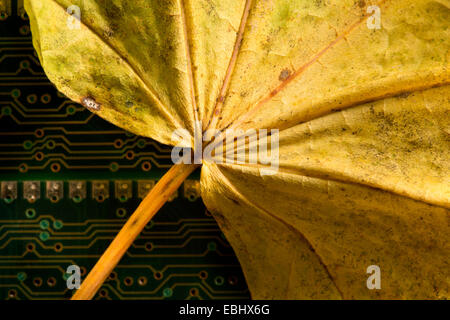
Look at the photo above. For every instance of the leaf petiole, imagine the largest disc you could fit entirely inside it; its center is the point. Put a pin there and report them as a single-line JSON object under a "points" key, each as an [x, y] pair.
{"points": [[156, 198]]}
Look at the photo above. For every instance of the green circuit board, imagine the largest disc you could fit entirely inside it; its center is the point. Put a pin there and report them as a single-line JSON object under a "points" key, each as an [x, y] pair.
{"points": [[69, 181]]}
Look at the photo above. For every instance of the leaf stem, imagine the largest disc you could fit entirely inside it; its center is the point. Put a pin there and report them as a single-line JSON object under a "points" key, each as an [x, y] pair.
{"points": [[156, 198]]}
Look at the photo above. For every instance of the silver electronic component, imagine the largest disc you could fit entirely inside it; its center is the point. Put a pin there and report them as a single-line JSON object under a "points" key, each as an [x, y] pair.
{"points": [[55, 190], [31, 190], [77, 190], [191, 190], [9, 190], [123, 189], [100, 190]]}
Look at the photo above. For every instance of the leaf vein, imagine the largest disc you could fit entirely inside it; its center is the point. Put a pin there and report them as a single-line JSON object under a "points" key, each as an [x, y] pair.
{"points": [[161, 107]]}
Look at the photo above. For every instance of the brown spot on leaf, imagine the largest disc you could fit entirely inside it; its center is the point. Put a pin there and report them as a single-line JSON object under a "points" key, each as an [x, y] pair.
{"points": [[404, 95], [134, 222], [233, 200], [284, 75]]}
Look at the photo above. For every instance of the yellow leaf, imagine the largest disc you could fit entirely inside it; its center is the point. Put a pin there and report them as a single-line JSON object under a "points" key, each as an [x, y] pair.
{"points": [[363, 176], [366, 186]]}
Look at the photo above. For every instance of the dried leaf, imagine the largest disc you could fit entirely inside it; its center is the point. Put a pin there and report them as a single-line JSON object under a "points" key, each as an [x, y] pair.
{"points": [[363, 114]]}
